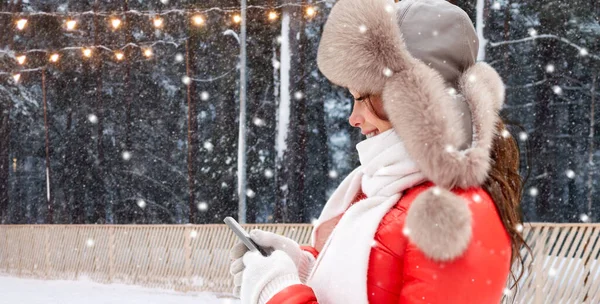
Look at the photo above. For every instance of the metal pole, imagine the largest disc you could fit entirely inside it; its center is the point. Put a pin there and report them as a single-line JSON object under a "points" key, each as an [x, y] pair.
{"points": [[242, 127]]}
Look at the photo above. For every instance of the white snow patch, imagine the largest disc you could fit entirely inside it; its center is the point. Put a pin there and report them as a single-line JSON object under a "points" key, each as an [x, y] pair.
{"points": [[31, 291]]}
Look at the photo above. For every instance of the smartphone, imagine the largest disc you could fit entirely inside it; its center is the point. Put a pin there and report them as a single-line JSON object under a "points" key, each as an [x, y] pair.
{"points": [[243, 235]]}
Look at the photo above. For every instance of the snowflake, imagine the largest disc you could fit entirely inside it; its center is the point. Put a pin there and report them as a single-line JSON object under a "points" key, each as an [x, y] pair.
{"points": [[93, 118], [164, 1], [208, 146], [496, 5], [570, 174], [333, 174], [405, 231], [557, 90], [276, 64], [437, 191], [186, 80], [202, 206], [552, 272], [141, 203], [584, 218], [550, 68], [452, 91], [314, 221], [523, 136], [519, 227], [90, 243], [387, 72], [507, 292], [477, 198], [472, 78], [505, 133], [362, 29], [204, 96], [179, 57], [389, 8], [533, 191], [532, 32], [268, 173], [193, 234], [250, 193], [583, 52], [126, 155], [298, 95], [435, 33], [450, 149], [258, 122]]}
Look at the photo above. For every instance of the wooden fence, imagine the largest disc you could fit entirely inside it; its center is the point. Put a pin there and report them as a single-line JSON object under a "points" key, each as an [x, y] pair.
{"points": [[565, 266]]}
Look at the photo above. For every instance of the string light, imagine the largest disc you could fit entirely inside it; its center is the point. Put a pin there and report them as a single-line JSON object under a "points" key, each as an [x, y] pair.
{"points": [[119, 55], [198, 20], [237, 18], [158, 22], [310, 11], [21, 59], [16, 77], [87, 52], [54, 57], [21, 24], [71, 24], [273, 15], [116, 23], [148, 52]]}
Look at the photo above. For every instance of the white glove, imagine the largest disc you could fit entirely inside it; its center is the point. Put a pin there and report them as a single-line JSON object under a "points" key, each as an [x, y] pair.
{"points": [[303, 260], [263, 277]]}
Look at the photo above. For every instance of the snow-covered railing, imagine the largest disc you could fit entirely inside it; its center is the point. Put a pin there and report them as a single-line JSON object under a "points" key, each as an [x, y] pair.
{"points": [[196, 257]]}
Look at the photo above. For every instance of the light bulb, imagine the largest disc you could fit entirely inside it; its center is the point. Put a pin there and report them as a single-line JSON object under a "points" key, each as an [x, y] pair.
{"points": [[148, 52], [198, 20], [87, 52], [272, 16], [116, 23], [21, 24], [54, 57], [237, 18], [119, 55], [71, 24], [21, 59], [158, 22]]}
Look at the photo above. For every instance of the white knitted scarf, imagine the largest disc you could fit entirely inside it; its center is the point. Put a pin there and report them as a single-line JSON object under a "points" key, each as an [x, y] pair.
{"points": [[344, 237]]}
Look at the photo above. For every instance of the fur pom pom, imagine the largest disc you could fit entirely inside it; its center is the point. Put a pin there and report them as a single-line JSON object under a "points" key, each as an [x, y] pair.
{"points": [[439, 224], [361, 45]]}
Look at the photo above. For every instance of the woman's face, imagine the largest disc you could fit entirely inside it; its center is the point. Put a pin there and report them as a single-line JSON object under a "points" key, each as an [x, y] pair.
{"points": [[362, 117]]}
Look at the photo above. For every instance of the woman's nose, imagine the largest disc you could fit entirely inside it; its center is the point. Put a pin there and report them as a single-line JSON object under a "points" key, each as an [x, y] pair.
{"points": [[355, 118]]}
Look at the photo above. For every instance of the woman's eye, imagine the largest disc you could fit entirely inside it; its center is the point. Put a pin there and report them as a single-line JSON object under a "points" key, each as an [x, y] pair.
{"points": [[360, 99]]}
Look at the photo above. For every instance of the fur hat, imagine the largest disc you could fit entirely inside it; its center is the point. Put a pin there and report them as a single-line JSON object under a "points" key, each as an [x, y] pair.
{"points": [[362, 47]]}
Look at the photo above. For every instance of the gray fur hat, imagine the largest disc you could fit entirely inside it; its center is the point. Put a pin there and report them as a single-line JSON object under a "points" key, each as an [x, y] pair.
{"points": [[420, 56]]}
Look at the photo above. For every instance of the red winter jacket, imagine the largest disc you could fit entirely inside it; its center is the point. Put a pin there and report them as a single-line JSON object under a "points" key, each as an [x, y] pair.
{"points": [[399, 273]]}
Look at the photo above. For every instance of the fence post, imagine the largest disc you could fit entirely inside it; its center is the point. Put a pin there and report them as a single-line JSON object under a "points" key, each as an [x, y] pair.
{"points": [[111, 253], [47, 251], [188, 258]]}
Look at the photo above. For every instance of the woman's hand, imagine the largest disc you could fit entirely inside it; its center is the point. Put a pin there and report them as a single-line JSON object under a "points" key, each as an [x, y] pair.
{"points": [[263, 277], [270, 241]]}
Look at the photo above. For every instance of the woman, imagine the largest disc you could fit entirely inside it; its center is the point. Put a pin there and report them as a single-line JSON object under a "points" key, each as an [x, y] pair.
{"points": [[430, 216]]}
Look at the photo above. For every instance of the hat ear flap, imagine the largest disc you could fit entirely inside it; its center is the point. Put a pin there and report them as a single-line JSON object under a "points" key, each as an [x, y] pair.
{"points": [[424, 114]]}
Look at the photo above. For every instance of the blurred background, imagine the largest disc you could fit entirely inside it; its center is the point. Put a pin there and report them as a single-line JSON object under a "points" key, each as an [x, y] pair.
{"points": [[124, 112]]}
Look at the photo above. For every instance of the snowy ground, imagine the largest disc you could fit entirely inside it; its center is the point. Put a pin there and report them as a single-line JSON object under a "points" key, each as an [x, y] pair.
{"points": [[30, 291]]}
